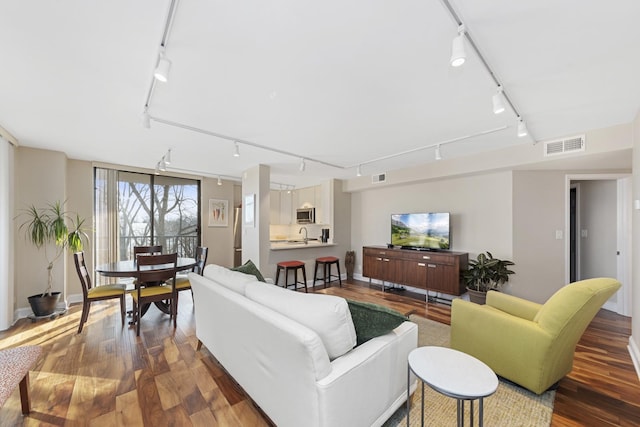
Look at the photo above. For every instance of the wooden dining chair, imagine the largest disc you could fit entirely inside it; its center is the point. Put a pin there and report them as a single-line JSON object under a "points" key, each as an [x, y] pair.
{"points": [[182, 280], [92, 293], [151, 250], [155, 282]]}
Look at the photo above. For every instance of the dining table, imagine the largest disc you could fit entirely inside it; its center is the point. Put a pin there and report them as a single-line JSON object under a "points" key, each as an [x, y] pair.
{"points": [[129, 268]]}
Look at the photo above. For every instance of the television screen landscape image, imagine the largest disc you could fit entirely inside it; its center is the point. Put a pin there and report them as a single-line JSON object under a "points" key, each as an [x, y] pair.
{"points": [[421, 230]]}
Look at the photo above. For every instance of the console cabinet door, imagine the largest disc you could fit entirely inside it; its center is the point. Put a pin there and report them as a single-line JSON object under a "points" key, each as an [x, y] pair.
{"points": [[442, 278], [415, 273]]}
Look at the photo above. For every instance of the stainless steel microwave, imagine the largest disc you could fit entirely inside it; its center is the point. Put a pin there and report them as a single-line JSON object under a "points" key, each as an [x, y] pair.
{"points": [[306, 216]]}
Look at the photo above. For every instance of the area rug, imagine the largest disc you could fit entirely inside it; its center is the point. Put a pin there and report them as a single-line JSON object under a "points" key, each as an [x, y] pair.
{"points": [[510, 406]]}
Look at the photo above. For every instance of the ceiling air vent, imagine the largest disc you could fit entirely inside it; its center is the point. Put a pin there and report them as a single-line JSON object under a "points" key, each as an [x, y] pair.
{"points": [[377, 178], [564, 146]]}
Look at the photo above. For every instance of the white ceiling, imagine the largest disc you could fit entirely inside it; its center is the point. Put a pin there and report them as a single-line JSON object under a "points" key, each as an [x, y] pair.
{"points": [[340, 82]]}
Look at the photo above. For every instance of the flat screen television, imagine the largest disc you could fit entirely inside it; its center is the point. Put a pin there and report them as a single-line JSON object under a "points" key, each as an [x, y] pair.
{"points": [[421, 231]]}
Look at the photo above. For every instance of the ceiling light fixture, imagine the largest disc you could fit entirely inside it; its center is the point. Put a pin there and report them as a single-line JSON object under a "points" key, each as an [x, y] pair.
{"points": [[438, 155], [161, 72], [162, 165], [458, 55], [359, 170], [522, 128], [146, 119], [219, 180], [469, 40], [167, 157], [498, 104], [157, 171], [236, 152], [303, 165]]}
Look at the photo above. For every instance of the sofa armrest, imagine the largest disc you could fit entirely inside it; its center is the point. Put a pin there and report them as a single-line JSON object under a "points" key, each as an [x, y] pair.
{"points": [[372, 375], [513, 305]]}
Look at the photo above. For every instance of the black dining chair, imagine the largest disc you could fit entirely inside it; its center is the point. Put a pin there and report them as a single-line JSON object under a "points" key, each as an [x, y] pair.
{"points": [[92, 293], [182, 280], [155, 282]]}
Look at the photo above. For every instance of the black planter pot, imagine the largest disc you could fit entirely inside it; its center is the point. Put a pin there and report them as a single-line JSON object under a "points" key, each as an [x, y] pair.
{"points": [[44, 305]]}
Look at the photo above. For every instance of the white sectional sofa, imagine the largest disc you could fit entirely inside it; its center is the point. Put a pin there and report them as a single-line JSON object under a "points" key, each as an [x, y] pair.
{"points": [[293, 352]]}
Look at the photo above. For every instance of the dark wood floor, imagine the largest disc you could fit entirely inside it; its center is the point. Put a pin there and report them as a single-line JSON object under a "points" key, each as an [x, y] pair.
{"points": [[107, 376]]}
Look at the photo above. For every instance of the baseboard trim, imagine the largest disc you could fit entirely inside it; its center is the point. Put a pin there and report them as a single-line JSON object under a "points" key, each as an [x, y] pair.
{"points": [[635, 355]]}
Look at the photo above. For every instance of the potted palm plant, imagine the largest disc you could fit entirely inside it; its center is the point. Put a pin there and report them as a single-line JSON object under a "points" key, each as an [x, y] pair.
{"points": [[486, 273], [46, 227]]}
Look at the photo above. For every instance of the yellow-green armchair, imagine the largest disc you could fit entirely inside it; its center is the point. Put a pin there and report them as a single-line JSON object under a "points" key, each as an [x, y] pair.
{"points": [[528, 343]]}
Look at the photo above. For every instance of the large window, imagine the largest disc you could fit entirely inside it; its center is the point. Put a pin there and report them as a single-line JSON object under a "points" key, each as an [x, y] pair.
{"points": [[134, 209]]}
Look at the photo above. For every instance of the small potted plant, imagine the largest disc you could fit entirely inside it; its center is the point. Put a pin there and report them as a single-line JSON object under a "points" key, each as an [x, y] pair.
{"points": [[486, 273], [44, 227]]}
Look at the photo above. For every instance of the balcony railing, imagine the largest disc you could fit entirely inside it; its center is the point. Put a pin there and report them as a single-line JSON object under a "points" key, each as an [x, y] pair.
{"points": [[185, 246]]}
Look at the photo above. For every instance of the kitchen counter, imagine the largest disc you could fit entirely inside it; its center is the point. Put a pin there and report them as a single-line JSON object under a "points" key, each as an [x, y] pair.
{"points": [[278, 245]]}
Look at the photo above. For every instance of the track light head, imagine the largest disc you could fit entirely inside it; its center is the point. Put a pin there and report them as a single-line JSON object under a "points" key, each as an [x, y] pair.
{"points": [[219, 180], [522, 128], [303, 165], [167, 157], [146, 119], [157, 171], [161, 72], [359, 170], [236, 152], [162, 165], [498, 101], [458, 55], [438, 154]]}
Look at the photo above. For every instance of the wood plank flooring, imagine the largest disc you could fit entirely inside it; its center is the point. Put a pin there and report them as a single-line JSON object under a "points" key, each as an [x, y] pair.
{"points": [[107, 376]]}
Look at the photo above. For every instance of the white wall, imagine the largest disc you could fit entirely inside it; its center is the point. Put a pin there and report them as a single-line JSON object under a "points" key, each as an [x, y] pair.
{"points": [[255, 238], [40, 179], [634, 340], [598, 219], [480, 207], [538, 213], [219, 240], [7, 159]]}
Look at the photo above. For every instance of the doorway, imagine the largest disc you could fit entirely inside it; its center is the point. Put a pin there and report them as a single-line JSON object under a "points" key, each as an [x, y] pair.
{"points": [[599, 229]]}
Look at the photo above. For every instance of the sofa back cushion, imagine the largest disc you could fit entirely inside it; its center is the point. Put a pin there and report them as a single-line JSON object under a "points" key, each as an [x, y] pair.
{"points": [[327, 315], [230, 279]]}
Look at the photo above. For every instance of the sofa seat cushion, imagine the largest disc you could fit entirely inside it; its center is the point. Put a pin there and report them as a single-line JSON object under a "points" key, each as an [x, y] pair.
{"points": [[233, 280], [326, 315], [373, 320]]}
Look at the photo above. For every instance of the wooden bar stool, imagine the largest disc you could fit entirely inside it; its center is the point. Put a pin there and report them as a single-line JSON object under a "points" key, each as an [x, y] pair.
{"points": [[326, 263], [295, 266]]}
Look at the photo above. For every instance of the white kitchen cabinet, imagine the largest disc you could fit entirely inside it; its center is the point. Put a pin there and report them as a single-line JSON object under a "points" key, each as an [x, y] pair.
{"points": [[274, 210], [305, 197], [281, 209], [286, 207]]}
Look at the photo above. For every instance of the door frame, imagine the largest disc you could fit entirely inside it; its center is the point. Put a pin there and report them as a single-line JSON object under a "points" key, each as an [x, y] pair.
{"points": [[623, 235]]}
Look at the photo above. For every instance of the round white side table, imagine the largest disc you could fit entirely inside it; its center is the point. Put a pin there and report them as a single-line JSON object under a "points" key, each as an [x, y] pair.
{"points": [[453, 374]]}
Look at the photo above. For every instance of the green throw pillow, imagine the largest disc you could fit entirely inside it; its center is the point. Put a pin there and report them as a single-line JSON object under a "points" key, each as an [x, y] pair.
{"points": [[372, 320], [250, 268]]}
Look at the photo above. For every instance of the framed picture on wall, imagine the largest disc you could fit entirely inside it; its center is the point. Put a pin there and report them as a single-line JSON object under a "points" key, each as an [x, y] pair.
{"points": [[218, 213], [250, 210]]}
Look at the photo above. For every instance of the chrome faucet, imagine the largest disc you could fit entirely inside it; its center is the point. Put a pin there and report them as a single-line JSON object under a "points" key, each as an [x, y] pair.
{"points": [[306, 239]]}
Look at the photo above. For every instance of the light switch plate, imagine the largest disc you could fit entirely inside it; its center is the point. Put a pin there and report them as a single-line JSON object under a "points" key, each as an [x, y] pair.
{"points": [[558, 234]]}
